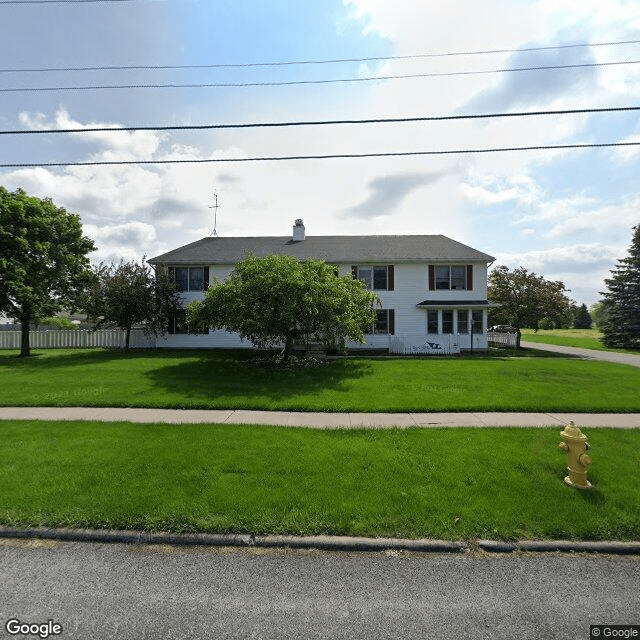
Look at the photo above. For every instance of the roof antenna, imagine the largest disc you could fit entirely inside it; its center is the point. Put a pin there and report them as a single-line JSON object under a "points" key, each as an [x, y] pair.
{"points": [[214, 233]]}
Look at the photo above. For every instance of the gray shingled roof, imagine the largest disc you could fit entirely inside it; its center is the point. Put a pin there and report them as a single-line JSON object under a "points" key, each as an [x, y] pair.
{"points": [[336, 249]]}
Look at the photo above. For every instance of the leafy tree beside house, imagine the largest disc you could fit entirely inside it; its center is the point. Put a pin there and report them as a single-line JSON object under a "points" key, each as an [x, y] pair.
{"points": [[130, 294], [280, 300], [43, 259], [525, 299], [621, 326]]}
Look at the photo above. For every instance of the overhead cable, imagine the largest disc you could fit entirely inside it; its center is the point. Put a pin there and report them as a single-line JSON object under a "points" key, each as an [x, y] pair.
{"points": [[57, 1], [318, 62], [309, 123], [308, 82], [393, 154]]}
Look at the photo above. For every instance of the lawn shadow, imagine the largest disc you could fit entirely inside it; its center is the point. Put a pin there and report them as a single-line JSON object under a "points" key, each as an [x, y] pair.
{"points": [[592, 496], [223, 380], [59, 358]]}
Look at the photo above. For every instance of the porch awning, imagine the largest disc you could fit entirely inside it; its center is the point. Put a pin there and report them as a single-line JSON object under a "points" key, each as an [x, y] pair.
{"points": [[482, 304]]}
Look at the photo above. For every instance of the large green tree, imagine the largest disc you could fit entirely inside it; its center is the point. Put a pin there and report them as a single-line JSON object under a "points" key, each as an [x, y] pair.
{"points": [[130, 294], [621, 326], [280, 300], [43, 259], [525, 298]]}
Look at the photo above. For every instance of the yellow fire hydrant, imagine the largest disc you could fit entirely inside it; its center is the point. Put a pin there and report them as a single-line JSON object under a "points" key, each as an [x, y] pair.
{"points": [[576, 445]]}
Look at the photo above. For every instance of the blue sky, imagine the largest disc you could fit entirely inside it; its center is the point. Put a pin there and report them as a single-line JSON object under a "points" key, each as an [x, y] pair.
{"points": [[567, 215]]}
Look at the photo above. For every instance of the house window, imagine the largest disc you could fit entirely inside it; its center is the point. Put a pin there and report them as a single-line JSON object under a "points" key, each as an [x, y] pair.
{"points": [[458, 278], [376, 278], [450, 277], [447, 322], [432, 322], [463, 322], [477, 322], [447, 325], [454, 277], [178, 322], [384, 323], [191, 278]]}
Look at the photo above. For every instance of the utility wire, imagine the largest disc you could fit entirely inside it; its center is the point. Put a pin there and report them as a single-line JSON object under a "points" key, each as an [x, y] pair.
{"points": [[308, 123], [307, 82], [57, 1], [321, 157], [318, 62]]}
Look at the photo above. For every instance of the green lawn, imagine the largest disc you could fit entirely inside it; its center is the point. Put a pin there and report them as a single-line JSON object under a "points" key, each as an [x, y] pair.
{"points": [[439, 483], [218, 379], [583, 338]]}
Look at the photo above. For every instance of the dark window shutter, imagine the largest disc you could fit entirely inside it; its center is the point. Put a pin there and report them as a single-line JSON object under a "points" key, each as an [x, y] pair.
{"points": [[391, 280], [354, 271], [206, 279], [469, 277], [432, 277], [172, 324], [392, 322]]}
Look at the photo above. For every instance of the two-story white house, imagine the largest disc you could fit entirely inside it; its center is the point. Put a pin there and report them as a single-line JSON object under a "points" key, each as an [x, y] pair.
{"points": [[433, 289]]}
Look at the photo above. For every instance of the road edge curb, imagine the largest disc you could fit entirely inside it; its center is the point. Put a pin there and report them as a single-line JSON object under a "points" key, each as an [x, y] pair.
{"points": [[329, 543]]}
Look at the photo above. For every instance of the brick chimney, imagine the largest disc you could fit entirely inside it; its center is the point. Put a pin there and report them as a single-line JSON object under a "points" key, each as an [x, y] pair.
{"points": [[298, 231]]}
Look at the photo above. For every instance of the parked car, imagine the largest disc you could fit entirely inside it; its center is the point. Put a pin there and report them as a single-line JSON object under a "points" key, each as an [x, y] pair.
{"points": [[503, 328]]}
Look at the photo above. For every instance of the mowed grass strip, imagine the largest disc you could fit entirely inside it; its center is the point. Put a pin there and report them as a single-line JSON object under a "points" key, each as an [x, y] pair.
{"points": [[221, 380], [438, 483], [581, 338]]}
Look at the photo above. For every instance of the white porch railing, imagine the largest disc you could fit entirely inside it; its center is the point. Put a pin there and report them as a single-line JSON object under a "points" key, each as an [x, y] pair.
{"points": [[437, 345], [69, 338]]}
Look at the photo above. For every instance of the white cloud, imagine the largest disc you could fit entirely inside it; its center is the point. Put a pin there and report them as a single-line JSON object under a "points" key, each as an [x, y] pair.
{"points": [[490, 189], [575, 258], [581, 267], [121, 145], [117, 241], [630, 154], [567, 217]]}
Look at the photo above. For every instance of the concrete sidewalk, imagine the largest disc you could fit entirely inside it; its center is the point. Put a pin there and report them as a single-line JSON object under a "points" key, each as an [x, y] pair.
{"points": [[324, 420]]}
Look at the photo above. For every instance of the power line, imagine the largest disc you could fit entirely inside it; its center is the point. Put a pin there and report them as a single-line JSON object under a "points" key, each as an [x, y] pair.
{"points": [[318, 62], [57, 1], [321, 157], [307, 123], [308, 82]]}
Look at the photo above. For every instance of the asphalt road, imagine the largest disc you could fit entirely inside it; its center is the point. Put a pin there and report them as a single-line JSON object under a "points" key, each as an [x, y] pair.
{"points": [[98, 591], [590, 354]]}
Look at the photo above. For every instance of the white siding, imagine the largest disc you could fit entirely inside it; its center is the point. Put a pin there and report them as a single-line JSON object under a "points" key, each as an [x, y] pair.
{"points": [[411, 286]]}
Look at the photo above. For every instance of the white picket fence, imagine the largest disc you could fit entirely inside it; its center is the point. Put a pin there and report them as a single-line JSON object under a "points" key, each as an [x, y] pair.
{"points": [[502, 339], [69, 338]]}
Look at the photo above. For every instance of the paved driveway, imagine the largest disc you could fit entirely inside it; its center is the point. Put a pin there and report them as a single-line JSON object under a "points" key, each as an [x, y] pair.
{"points": [[591, 354]]}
